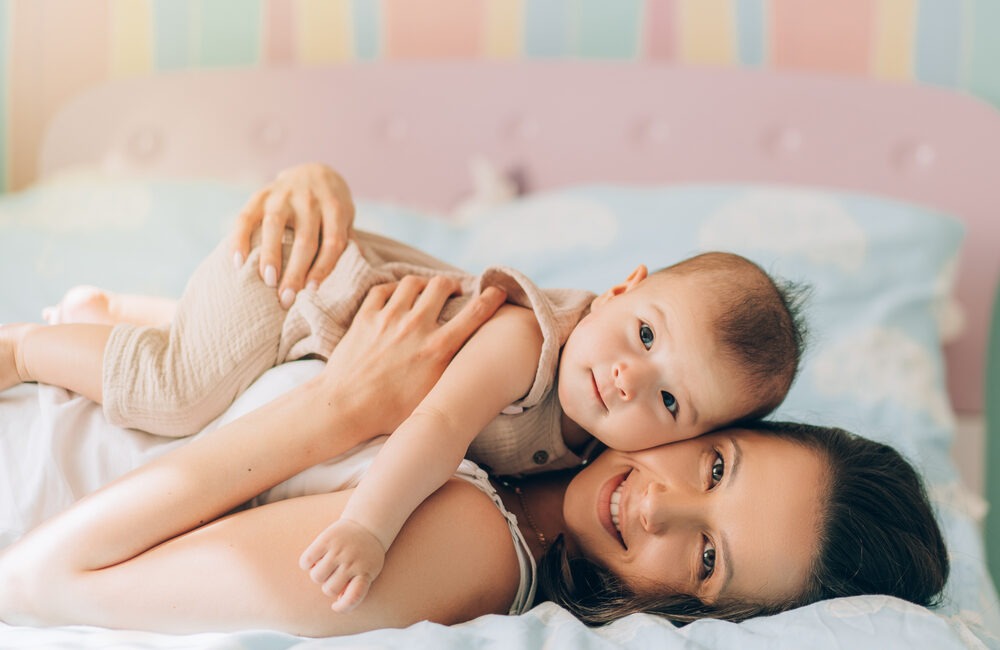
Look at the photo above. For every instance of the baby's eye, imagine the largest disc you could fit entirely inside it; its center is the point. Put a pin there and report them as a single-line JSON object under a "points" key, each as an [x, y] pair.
{"points": [[646, 335], [669, 401], [707, 560], [718, 469]]}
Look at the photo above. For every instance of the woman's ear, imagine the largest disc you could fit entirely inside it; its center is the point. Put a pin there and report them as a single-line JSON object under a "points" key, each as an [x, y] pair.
{"points": [[631, 282]]}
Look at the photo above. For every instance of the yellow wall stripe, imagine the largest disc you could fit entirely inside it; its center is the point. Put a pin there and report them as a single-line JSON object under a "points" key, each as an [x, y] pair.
{"points": [[325, 31], [895, 24], [504, 28], [708, 31], [131, 37]]}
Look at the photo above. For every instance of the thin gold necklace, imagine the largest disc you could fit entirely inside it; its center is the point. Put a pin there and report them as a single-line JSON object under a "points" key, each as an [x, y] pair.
{"points": [[531, 520]]}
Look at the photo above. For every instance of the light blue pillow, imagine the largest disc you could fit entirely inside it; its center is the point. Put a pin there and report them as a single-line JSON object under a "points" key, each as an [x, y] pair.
{"points": [[880, 271]]}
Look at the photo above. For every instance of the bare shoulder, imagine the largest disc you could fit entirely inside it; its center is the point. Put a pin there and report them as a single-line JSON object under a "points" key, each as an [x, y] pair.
{"points": [[454, 560]]}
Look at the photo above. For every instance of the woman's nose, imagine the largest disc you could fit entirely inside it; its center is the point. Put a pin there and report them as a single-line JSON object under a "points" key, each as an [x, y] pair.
{"points": [[661, 510]]}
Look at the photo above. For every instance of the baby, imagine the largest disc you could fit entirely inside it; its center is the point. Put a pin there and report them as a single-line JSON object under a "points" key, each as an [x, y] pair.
{"points": [[657, 358]]}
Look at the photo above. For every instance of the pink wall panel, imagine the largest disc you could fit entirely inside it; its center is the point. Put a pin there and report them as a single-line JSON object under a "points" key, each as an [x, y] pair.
{"points": [[279, 31], [660, 30], [826, 36], [433, 28]]}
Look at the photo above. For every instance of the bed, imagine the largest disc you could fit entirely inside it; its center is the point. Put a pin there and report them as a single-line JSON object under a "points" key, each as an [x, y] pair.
{"points": [[880, 196]]}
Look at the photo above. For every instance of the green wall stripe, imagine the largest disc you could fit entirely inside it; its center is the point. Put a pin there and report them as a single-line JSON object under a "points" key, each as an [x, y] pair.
{"points": [[172, 26], [229, 32], [981, 75], [607, 29]]}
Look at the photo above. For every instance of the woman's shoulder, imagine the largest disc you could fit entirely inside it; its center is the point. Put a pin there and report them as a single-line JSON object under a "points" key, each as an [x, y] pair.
{"points": [[462, 560]]}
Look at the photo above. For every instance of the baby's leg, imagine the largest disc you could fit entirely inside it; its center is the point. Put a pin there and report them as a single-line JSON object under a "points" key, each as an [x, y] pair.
{"points": [[87, 304], [70, 356]]}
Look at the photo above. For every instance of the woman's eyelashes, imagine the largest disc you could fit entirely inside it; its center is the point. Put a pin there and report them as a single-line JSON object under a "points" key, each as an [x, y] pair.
{"points": [[718, 469], [707, 559], [717, 472]]}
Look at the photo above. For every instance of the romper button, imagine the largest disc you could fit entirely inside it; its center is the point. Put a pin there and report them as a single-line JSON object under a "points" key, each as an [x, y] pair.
{"points": [[540, 457]]}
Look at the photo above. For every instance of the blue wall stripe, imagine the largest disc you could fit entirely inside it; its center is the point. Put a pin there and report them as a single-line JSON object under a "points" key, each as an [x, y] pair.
{"points": [[172, 27], [546, 28], [229, 33], [608, 29], [367, 17], [938, 43], [751, 33], [4, 80]]}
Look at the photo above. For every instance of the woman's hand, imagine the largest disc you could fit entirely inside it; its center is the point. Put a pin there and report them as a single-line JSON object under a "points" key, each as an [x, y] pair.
{"points": [[316, 203], [396, 349]]}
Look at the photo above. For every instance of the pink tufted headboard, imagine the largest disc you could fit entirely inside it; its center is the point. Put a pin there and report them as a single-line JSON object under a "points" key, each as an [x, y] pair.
{"points": [[407, 131]]}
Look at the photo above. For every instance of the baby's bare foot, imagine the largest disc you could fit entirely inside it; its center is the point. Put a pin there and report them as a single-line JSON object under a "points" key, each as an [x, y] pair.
{"points": [[82, 304], [12, 370]]}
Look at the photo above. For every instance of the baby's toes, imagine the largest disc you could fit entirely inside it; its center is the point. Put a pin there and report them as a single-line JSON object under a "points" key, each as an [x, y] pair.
{"points": [[83, 304]]}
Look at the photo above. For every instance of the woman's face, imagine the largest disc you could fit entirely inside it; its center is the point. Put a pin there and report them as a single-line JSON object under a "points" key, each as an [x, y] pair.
{"points": [[728, 515]]}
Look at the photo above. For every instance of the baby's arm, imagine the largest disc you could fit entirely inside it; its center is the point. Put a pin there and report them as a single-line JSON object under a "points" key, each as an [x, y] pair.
{"points": [[496, 367]]}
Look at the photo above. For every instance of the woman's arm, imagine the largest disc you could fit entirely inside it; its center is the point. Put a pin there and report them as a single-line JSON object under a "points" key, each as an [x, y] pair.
{"points": [[97, 550], [495, 368]]}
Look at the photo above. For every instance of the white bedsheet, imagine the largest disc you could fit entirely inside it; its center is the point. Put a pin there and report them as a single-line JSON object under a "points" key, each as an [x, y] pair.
{"points": [[57, 447]]}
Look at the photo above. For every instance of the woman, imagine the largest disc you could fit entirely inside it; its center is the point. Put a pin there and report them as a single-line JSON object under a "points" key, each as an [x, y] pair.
{"points": [[732, 524]]}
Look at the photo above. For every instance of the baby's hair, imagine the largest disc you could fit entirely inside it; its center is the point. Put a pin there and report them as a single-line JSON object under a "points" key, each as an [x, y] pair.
{"points": [[759, 324], [877, 535]]}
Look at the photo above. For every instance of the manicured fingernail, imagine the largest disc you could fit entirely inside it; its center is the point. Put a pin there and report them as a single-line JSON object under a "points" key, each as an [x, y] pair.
{"points": [[287, 298], [271, 276], [237, 259], [312, 285]]}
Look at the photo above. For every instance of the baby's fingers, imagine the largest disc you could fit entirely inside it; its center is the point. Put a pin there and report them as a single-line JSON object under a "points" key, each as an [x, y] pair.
{"points": [[352, 595]]}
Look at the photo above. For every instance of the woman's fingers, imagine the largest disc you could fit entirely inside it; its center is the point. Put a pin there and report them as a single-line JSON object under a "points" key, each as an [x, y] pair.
{"points": [[277, 213], [338, 220], [473, 314], [247, 222]]}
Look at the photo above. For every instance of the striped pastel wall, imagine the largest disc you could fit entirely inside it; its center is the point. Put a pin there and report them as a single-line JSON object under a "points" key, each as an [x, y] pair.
{"points": [[52, 49]]}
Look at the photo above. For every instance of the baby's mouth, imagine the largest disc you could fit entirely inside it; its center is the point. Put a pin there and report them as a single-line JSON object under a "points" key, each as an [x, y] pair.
{"points": [[597, 390]]}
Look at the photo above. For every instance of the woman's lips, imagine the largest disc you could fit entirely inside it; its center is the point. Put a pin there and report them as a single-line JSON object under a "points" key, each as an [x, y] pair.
{"points": [[604, 506]]}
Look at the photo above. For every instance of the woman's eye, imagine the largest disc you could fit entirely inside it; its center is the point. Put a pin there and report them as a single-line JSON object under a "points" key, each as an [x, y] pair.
{"points": [[708, 561], [646, 335], [669, 401], [718, 469]]}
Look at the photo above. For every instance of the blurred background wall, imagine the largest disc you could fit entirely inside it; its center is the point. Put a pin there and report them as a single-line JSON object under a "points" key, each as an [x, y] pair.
{"points": [[50, 50]]}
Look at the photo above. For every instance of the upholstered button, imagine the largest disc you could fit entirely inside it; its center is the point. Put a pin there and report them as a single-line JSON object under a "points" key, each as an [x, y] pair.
{"points": [[914, 156], [144, 144], [782, 141], [541, 457]]}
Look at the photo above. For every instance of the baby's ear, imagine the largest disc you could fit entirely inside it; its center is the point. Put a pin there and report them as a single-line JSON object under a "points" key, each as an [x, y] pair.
{"points": [[631, 282]]}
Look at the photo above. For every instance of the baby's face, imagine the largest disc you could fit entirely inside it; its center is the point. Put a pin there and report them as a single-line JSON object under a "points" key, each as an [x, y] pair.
{"points": [[644, 368]]}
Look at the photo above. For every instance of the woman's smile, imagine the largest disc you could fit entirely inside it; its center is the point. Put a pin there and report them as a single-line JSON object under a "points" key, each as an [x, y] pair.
{"points": [[604, 507]]}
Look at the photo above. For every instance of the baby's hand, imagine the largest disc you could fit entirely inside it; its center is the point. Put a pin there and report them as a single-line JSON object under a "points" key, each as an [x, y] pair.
{"points": [[345, 559]]}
